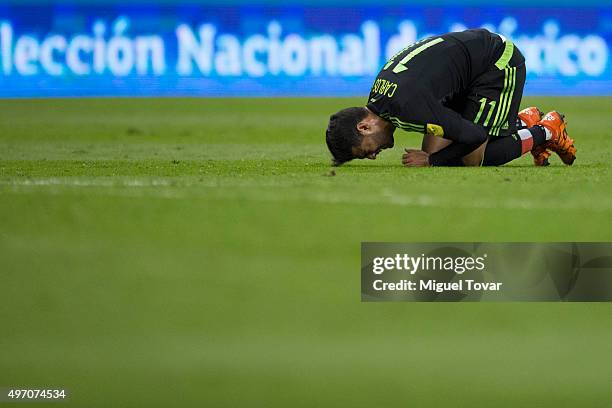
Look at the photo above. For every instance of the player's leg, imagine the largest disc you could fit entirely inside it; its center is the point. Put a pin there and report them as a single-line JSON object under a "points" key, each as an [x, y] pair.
{"points": [[504, 149], [548, 133], [488, 103], [507, 142], [493, 103]]}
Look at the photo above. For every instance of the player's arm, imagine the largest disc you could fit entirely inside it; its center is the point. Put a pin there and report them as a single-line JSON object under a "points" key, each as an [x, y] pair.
{"points": [[466, 136], [459, 154]]}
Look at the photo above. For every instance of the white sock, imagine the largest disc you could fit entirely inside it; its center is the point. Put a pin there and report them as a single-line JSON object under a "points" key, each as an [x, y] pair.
{"points": [[526, 140], [525, 134]]}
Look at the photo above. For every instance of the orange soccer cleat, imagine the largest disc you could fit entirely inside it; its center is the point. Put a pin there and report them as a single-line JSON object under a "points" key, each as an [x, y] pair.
{"points": [[540, 155], [560, 142], [530, 117]]}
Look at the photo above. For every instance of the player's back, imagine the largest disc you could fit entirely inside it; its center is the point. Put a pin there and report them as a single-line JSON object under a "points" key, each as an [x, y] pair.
{"points": [[442, 65]]}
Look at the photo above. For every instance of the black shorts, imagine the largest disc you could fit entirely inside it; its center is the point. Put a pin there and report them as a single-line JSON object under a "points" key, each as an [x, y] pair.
{"points": [[493, 99]]}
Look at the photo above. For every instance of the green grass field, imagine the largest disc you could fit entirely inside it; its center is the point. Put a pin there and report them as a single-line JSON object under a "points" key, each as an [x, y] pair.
{"points": [[193, 252]]}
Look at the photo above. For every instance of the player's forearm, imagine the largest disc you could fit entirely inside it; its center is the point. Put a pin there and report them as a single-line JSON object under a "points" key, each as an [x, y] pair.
{"points": [[451, 155], [474, 136]]}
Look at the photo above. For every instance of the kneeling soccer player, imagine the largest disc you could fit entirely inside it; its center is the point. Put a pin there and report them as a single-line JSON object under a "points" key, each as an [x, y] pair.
{"points": [[462, 91]]}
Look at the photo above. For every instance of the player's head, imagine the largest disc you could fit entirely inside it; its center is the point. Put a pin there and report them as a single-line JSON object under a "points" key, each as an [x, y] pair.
{"points": [[357, 133]]}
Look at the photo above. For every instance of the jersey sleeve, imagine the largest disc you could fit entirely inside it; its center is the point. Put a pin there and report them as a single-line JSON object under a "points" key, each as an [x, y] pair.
{"points": [[451, 125]]}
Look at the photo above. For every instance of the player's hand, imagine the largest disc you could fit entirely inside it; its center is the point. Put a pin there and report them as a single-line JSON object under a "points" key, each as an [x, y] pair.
{"points": [[415, 158]]}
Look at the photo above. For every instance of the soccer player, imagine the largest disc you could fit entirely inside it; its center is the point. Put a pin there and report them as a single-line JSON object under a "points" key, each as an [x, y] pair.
{"points": [[462, 91]]}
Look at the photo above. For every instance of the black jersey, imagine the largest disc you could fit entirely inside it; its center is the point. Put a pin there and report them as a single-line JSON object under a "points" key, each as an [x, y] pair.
{"points": [[414, 88]]}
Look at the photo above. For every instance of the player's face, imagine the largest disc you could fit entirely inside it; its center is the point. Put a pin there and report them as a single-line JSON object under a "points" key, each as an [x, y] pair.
{"points": [[376, 135]]}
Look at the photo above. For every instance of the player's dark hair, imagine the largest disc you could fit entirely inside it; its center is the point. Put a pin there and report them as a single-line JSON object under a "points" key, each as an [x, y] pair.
{"points": [[342, 133]]}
